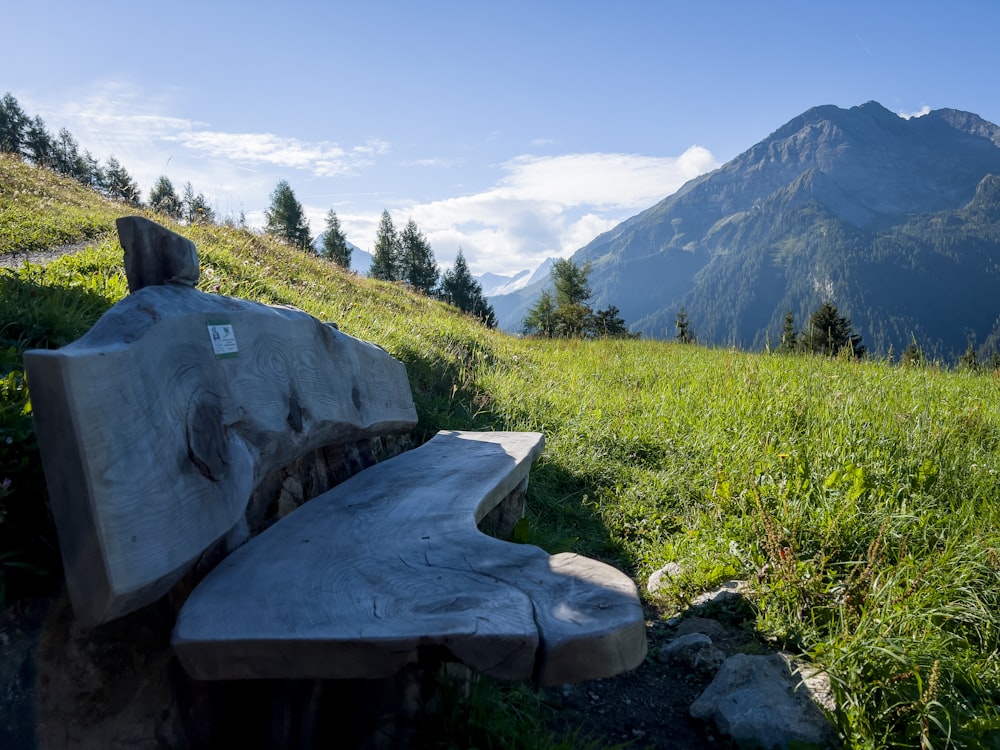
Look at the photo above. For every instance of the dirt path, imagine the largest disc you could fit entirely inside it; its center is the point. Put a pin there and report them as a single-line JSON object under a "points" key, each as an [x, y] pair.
{"points": [[39, 257]]}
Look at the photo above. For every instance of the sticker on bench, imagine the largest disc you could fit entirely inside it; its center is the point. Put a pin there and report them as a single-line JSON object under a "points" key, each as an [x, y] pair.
{"points": [[223, 339]]}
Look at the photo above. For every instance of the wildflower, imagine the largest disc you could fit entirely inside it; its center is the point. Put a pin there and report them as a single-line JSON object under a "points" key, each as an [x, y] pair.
{"points": [[5, 484]]}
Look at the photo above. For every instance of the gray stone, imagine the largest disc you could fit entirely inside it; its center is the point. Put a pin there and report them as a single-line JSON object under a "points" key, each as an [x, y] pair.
{"points": [[757, 701], [656, 580], [695, 651]]}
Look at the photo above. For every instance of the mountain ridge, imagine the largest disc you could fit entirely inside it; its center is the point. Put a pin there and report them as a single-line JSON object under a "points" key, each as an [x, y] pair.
{"points": [[800, 215]]}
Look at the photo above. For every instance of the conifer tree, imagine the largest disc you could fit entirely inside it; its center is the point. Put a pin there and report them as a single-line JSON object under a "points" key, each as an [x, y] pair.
{"points": [[829, 332], [164, 199], [335, 245], [460, 288], [541, 319], [385, 258], [685, 332], [194, 208], [789, 336], [286, 219], [417, 265], [118, 184], [13, 124], [38, 144]]}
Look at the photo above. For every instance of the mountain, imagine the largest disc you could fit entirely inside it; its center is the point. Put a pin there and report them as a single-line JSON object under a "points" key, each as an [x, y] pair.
{"points": [[495, 284], [892, 219]]}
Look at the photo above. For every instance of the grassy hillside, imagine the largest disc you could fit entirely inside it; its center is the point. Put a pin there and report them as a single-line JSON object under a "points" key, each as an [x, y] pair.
{"points": [[860, 500]]}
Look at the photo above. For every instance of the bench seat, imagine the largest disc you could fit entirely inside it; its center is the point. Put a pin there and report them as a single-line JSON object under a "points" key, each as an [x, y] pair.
{"points": [[354, 583]]}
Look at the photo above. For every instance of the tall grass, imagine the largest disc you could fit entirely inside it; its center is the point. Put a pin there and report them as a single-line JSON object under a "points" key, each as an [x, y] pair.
{"points": [[859, 500]]}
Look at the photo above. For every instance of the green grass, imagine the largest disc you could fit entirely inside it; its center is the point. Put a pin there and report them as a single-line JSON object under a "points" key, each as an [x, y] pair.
{"points": [[860, 500]]}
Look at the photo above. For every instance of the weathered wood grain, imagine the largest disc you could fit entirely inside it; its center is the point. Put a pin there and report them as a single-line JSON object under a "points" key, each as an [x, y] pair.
{"points": [[153, 433], [360, 579]]}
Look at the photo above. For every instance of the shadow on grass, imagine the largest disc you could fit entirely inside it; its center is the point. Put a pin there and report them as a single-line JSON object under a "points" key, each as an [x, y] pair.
{"points": [[33, 315]]}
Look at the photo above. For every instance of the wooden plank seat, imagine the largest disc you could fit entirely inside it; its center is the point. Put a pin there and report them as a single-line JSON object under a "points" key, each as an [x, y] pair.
{"points": [[159, 426]]}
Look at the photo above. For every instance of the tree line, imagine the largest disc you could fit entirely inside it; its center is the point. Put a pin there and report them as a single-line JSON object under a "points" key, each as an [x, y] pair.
{"points": [[405, 256]]}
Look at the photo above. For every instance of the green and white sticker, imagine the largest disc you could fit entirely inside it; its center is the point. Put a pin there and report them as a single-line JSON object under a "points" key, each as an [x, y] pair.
{"points": [[223, 339]]}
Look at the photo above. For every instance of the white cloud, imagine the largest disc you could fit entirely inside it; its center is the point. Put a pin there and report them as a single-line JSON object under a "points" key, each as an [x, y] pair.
{"points": [[550, 206], [924, 110], [323, 159]]}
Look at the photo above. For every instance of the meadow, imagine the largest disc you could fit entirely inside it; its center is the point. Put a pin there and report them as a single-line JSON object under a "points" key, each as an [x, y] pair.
{"points": [[859, 499]]}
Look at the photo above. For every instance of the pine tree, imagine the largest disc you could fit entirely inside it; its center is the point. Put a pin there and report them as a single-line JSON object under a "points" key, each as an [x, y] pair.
{"points": [[194, 208], [541, 319], [285, 218], [385, 258], [417, 265], [164, 199], [13, 124], [789, 336], [460, 288], [118, 184], [685, 333], [38, 144], [67, 159], [335, 245], [608, 324], [829, 332]]}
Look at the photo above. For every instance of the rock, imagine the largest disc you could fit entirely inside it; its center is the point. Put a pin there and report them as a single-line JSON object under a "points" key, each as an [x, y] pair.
{"points": [[757, 701], [656, 580], [727, 592], [154, 255], [694, 651]]}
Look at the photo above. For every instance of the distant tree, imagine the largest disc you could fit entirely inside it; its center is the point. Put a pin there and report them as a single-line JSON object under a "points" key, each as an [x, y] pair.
{"points": [[789, 336], [164, 199], [92, 175], [13, 124], [541, 319], [194, 208], [335, 245], [417, 265], [829, 332], [567, 313], [117, 183], [460, 288], [286, 219], [969, 361], [573, 314], [386, 256], [38, 144], [685, 332], [609, 324], [68, 160], [911, 356]]}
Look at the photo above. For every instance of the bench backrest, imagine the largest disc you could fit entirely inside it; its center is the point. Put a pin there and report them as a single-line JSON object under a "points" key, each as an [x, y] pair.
{"points": [[156, 426]]}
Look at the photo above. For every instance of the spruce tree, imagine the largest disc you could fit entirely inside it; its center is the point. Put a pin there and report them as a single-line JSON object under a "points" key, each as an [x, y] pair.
{"points": [[685, 332], [38, 144], [789, 336], [829, 332], [13, 124], [335, 245], [118, 184], [541, 319], [417, 265], [460, 288], [164, 199], [385, 258], [286, 219]]}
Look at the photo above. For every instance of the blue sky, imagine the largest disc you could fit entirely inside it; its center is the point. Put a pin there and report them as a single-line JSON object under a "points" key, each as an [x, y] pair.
{"points": [[515, 130]]}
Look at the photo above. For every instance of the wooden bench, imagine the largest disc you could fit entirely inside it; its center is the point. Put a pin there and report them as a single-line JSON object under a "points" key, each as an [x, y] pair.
{"points": [[167, 435]]}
